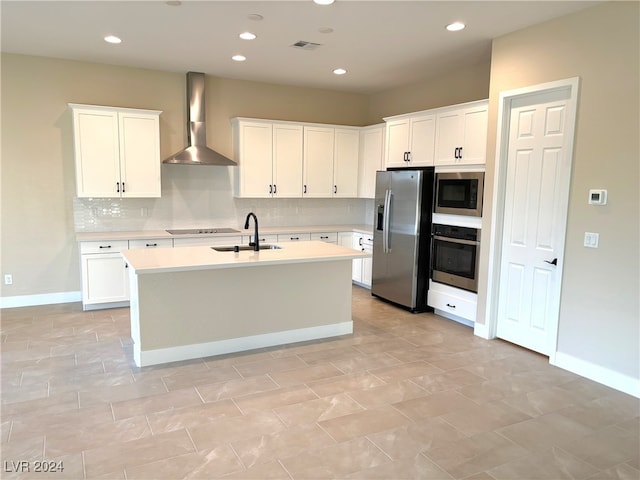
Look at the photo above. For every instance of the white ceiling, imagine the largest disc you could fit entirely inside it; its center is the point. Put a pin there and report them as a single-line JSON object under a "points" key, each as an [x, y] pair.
{"points": [[383, 44]]}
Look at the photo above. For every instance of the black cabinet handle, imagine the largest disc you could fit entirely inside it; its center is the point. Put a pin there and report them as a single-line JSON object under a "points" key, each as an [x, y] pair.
{"points": [[151, 244], [450, 306], [324, 237], [460, 153], [360, 241], [105, 246], [335, 189], [294, 238], [275, 189], [270, 189], [118, 187], [122, 187], [304, 189]]}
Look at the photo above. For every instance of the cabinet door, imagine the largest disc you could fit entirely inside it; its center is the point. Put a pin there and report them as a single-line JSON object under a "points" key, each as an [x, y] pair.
{"points": [[475, 136], [255, 159], [423, 139], [397, 143], [105, 279], [345, 162], [139, 155], [287, 160], [356, 275], [449, 137], [371, 160], [318, 162], [96, 153]]}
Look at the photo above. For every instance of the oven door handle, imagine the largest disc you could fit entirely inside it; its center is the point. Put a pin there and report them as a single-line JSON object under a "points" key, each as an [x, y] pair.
{"points": [[456, 240]]}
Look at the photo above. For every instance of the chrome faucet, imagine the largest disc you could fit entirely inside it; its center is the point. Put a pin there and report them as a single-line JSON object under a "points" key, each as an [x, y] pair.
{"points": [[256, 240]]}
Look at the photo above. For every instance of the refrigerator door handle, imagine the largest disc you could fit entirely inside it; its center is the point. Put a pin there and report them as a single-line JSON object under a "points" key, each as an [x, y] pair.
{"points": [[387, 218]]}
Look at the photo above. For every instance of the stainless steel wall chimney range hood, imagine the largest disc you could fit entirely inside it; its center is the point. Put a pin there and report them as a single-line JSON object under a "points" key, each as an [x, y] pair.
{"points": [[197, 153]]}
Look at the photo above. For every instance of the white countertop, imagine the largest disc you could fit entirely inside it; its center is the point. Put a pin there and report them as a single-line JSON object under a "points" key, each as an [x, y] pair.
{"points": [[157, 260], [149, 234]]}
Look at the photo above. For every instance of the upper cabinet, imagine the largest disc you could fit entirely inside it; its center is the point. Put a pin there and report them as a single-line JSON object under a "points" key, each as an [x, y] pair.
{"points": [[330, 161], [269, 156], [371, 159], [117, 151], [410, 140], [461, 134]]}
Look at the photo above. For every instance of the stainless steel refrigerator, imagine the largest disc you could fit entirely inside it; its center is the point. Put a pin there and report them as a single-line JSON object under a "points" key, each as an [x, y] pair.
{"points": [[401, 237]]}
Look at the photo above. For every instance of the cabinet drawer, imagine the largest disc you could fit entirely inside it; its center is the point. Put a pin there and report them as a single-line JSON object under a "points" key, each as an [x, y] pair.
{"points": [[151, 243], [271, 238], [330, 237], [104, 247], [294, 237], [452, 304], [207, 241]]}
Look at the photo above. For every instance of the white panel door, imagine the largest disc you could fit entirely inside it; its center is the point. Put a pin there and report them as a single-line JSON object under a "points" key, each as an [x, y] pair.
{"points": [[423, 139], [345, 162], [255, 159], [139, 155], [287, 161], [318, 162], [534, 221], [97, 153], [397, 144]]}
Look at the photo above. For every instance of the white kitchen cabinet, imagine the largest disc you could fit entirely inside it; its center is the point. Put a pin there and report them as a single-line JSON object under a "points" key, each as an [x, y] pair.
{"points": [[207, 241], [330, 165], [461, 135], [294, 237], [117, 151], [410, 140], [329, 237], [454, 303], [371, 159], [151, 243], [105, 280], [269, 156], [362, 267]]}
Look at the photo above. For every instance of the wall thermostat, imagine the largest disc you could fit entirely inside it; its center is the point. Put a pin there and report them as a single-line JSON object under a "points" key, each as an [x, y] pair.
{"points": [[597, 197]]}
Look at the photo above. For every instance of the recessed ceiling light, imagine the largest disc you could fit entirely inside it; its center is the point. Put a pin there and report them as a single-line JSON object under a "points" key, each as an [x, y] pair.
{"points": [[239, 58], [325, 30], [323, 2], [247, 36], [173, 3], [339, 71], [455, 26], [256, 17], [112, 39]]}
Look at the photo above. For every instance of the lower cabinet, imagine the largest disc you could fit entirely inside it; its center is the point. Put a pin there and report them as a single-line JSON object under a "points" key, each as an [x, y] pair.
{"points": [[453, 302], [362, 267], [104, 274]]}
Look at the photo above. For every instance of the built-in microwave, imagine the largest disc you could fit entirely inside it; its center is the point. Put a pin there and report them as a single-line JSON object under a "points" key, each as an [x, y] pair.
{"points": [[459, 193]]}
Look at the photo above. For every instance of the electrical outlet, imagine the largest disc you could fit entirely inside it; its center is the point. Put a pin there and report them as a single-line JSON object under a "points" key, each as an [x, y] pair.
{"points": [[8, 279]]}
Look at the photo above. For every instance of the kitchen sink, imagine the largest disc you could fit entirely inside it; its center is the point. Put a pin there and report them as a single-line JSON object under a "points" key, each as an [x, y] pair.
{"points": [[240, 248]]}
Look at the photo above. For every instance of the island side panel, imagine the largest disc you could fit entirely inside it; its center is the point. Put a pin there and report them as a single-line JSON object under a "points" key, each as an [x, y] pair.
{"points": [[201, 307]]}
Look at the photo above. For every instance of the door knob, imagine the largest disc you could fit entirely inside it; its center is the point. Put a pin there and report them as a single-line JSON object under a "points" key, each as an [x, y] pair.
{"points": [[552, 262]]}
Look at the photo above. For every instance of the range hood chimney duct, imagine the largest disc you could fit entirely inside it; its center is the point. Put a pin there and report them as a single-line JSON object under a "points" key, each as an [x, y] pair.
{"points": [[197, 153]]}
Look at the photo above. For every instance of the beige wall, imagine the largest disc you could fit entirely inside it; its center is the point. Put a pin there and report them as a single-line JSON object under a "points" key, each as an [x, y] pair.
{"points": [[460, 86], [37, 240], [599, 314]]}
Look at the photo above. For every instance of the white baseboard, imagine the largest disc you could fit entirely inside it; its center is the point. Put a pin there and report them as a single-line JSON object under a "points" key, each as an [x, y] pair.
{"points": [[200, 350], [597, 373], [41, 299], [482, 331]]}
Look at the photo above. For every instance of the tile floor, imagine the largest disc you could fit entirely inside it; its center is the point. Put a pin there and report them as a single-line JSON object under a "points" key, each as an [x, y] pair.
{"points": [[406, 396]]}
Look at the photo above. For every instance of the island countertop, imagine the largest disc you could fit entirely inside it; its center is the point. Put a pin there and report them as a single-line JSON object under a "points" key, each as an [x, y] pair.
{"points": [[183, 259]]}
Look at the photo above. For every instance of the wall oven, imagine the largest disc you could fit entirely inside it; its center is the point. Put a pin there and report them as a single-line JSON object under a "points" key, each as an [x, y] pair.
{"points": [[454, 252], [459, 193]]}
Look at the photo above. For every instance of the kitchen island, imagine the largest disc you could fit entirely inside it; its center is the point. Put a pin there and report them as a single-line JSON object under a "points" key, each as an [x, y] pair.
{"points": [[196, 302]]}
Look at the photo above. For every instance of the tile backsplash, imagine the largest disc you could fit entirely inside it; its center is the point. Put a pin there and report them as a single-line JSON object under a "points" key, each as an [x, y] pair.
{"points": [[198, 196]]}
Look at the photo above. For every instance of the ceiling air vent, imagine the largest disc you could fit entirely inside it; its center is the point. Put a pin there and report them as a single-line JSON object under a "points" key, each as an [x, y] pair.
{"points": [[302, 45]]}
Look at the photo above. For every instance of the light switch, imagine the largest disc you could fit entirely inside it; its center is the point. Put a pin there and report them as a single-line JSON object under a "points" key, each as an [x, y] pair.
{"points": [[591, 239]]}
